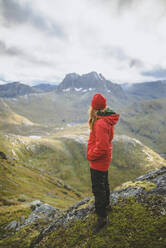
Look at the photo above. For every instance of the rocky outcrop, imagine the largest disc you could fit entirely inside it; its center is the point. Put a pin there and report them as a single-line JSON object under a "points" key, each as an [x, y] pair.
{"points": [[156, 179], [39, 211]]}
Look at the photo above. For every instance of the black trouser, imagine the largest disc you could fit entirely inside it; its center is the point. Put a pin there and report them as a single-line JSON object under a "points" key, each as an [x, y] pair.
{"points": [[101, 191]]}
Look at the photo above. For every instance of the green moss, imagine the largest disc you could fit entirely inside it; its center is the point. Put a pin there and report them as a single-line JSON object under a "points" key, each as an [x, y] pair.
{"points": [[131, 225], [143, 184]]}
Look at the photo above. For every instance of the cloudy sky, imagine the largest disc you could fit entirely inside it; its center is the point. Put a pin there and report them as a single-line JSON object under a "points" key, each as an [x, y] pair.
{"points": [[41, 40]]}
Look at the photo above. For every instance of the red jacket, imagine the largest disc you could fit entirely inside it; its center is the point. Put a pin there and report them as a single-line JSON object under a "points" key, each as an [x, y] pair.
{"points": [[99, 148]]}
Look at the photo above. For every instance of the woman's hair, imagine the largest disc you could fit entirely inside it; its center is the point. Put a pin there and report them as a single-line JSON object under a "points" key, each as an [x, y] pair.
{"points": [[93, 117]]}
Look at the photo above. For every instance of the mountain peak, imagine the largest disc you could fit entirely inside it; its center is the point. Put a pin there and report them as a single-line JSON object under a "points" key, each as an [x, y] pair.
{"points": [[92, 82], [72, 76], [87, 82]]}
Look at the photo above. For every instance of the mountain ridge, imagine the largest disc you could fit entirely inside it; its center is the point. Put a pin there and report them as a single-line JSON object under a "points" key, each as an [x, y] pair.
{"points": [[146, 90], [15, 89]]}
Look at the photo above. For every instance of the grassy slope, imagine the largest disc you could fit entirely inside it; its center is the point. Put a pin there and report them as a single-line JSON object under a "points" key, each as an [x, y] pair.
{"points": [[21, 183], [146, 122], [11, 122], [7, 116], [21, 177]]}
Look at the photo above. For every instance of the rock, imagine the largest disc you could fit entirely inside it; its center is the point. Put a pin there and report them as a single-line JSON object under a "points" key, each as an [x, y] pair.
{"points": [[3, 155], [21, 200], [22, 219], [35, 204], [39, 211], [45, 209], [13, 225], [158, 177]]}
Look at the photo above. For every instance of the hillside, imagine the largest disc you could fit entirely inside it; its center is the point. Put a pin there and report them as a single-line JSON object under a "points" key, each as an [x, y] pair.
{"points": [[8, 117], [11, 122], [25, 182], [145, 121], [64, 155], [131, 158], [137, 219], [50, 108], [45, 176]]}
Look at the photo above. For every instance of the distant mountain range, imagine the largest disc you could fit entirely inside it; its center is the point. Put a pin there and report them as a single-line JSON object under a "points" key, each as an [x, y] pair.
{"points": [[147, 90], [92, 82]]}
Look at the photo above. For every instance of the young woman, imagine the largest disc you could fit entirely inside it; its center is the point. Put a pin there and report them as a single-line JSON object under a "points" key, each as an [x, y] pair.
{"points": [[99, 153]]}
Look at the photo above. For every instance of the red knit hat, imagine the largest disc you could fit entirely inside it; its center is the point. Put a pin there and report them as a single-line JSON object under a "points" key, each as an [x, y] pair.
{"points": [[98, 102]]}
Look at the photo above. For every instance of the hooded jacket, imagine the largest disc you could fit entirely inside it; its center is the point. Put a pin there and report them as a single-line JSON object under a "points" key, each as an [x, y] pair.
{"points": [[99, 148]]}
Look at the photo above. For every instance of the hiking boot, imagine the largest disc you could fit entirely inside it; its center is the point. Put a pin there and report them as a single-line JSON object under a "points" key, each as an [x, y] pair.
{"points": [[102, 221]]}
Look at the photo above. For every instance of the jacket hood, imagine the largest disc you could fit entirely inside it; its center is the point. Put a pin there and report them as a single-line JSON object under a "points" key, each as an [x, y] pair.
{"points": [[109, 116]]}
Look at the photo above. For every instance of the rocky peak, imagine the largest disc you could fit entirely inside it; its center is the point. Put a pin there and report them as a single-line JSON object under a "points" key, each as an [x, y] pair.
{"points": [[91, 82]]}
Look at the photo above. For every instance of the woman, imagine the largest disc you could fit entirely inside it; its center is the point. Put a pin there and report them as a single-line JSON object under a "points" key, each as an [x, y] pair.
{"points": [[99, 154]]}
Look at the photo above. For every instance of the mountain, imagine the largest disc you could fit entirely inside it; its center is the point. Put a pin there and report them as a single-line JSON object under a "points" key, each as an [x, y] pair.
{"points": [[15, 89], [45, 87], [147, 90], [90, 82]]}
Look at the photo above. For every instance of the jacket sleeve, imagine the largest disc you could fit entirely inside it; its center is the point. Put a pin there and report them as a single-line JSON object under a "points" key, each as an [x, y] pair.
{"points": [[102, 143]]}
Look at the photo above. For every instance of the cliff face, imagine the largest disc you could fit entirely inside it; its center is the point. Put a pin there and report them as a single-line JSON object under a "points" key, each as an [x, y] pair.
{"points": [[138, 219]]}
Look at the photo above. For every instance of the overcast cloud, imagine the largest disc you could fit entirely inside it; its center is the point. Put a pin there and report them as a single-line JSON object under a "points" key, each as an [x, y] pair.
{"points": [[40, 40]]}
